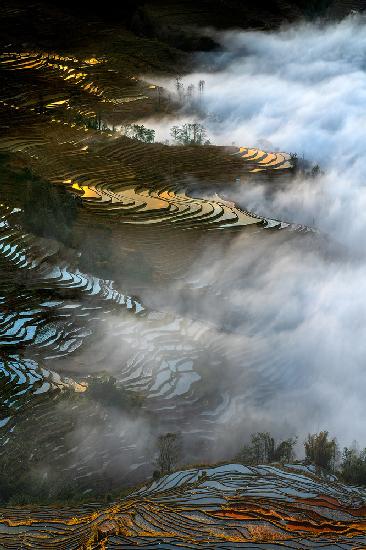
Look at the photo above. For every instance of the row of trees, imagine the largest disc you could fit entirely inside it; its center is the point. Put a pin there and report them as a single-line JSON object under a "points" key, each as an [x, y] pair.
{"points": [[191, 133], [263, 449], [321, 451], [188, 94], [134, 131], [139, 131]]}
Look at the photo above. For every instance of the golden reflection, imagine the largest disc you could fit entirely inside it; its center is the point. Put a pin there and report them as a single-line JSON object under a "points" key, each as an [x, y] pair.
{"points": [[93, 61], [88, 192]]}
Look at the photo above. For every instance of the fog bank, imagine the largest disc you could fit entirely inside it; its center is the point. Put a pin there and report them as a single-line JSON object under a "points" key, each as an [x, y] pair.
{"points": [[267, 332], [299, 309]]}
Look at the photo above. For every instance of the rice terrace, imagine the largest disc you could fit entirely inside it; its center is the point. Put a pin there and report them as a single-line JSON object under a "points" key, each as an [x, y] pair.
{"points": [[182, 275]]}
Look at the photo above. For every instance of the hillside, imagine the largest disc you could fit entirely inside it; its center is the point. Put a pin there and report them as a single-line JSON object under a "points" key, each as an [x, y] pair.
{"points": [[157, 283], [229, 506]]}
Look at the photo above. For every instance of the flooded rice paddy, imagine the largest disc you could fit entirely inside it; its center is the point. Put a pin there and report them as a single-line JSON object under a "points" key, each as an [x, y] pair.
{"points": [[149, 288]]}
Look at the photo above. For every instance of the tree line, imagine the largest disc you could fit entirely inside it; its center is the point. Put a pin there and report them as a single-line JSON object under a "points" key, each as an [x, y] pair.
{"points": [[321, 451]]}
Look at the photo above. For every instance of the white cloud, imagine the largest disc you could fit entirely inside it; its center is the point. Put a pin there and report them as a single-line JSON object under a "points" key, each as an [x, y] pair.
{"points": [[286, 349], [296, 309]]}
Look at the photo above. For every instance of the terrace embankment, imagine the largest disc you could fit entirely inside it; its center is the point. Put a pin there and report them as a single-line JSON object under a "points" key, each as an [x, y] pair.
{"points": [[63, 138], [90, 219], [229, 506]]}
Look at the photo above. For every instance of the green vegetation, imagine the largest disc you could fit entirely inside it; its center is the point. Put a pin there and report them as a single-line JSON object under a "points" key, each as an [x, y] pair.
{"points": [[315, 171], [263, 449], [105, 390], [48, 210], [320, 450], [69, 497], [140, 132], [91, 122], [170, 453], [187, 94], [314, 8], [189, 134], [50, 429], [353, 466]]}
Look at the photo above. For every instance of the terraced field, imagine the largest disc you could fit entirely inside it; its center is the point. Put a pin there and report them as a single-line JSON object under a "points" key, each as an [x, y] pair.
{"points": [[260, 161], [96, 232], [61, 324], [54, 315], [114, 330], [136, 182], [229, 506], [56, 111]]}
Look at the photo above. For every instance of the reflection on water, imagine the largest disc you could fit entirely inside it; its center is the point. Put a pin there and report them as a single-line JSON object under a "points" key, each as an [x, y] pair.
{"points": [[230, 506], [171, 350], [144, 304], [104, 282]]}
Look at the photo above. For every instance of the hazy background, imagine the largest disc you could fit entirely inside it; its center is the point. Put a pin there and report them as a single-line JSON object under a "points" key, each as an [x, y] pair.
{"points": [[258, 330], [290, 309]]}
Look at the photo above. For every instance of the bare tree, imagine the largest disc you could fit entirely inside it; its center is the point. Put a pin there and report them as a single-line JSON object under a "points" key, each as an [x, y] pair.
{"points": [[159, 90], [179, 87], [190, 92]]}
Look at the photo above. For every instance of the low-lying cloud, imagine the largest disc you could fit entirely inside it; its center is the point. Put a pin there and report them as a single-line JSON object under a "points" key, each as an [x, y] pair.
{"points": [[293, 307], [302, 89], [273, 323]]}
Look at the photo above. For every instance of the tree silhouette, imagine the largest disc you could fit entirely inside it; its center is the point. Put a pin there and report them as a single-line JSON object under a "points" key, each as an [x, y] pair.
{"points": [[170, 449], [189, 134], [320, 450], [263, 449]]}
